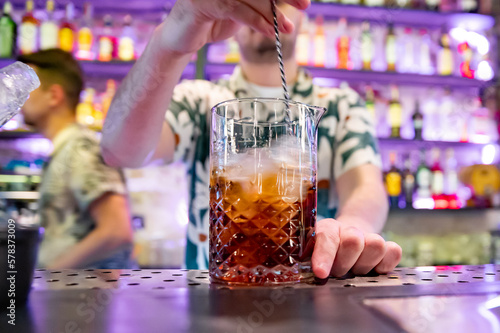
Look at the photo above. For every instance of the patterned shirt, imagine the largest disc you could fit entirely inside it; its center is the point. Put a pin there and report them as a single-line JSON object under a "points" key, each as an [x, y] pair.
{"points": [[73, 179], [346, 139]]}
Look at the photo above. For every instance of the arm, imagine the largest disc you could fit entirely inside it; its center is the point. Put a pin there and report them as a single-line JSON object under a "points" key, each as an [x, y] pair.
{"points": [[112, 233], [363, 200], [135, 120]]}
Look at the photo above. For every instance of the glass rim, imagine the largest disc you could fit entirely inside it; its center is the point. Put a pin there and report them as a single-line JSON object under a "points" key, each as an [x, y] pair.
{"points": [[265, 99]]}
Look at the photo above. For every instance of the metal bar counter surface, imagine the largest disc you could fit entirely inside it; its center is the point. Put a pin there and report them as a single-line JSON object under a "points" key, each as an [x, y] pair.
{"points": [[420, 299]]}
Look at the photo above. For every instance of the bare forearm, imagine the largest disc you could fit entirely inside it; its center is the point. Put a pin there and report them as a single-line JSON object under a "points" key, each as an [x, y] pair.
{"points": [[366, 208], [96, 246], [133, 126]]}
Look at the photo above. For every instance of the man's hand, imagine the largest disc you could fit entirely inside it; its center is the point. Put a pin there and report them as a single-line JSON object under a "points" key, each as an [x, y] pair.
{"points": [[341, 247], [194, 23]]}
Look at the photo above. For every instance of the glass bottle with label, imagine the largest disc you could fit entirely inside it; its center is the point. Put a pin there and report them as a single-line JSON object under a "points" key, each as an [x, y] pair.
{"points": [[408, 183], [432, 4], [468, 6], [49, 30], [343, 46], [319, 55], [85, 109], [86, 36], [8, 32], [366, 46], [107, 41], [393, 181], [418, 121], [445, 56], [423, 178], [370, 102], [437, 185], [126, 45], [28, 31], [451, 180], [303, 44], [425, 66], [395, 113], [67, 30], [391, 49]]}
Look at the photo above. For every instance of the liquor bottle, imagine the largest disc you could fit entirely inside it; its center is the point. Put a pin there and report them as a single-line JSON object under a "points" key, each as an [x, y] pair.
{"points": [[233, 51], [448, 6], [425, 63], [49, 30], [448, 130], [432, 4], [480, 123], [366, 46], [467, 56], [319, 43], [404, 3], [374, 3], [67, 30], [303, 44], [451, 179], [445, 56], [393, 181], [85, 110], [408, 183], [437, 185], [418, 121], [468, 6], [126, 45], [391, 49], [351, 2], [407, 58], [108, 96], [343, 46], [395, 113], [86, 36], [28, 31], [423, 178], [107, 41], [8, 32], [370, 102]]}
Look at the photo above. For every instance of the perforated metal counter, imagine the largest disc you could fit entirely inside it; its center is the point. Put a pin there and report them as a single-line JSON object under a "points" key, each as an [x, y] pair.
{"points": [[421, 299]]}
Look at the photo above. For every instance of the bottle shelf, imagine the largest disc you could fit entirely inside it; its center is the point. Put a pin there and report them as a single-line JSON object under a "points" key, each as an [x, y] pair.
{"points": [[109, 70], [12, 135], [215, 70], [29, 195], [442, 211], [402, 16], [419, 144]]}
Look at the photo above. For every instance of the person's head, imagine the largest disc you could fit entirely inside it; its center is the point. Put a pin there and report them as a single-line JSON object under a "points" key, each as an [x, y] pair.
{"points": [[260, 49], [61, 84]]}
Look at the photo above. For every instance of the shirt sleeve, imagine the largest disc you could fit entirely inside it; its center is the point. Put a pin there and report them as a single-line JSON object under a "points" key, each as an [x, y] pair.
{"points": [[355, 139], [90, 177], [189, 114]]}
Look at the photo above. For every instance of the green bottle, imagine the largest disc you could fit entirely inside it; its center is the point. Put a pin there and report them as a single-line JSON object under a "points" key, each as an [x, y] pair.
{"points": [[8, 32]]}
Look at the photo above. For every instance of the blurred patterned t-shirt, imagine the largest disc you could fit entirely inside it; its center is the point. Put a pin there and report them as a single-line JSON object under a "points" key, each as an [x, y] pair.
{"points": [[346, 139], [73, 179]]}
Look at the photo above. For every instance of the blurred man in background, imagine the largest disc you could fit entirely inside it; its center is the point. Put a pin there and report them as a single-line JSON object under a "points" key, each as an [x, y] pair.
{"points": [[83, 202]]}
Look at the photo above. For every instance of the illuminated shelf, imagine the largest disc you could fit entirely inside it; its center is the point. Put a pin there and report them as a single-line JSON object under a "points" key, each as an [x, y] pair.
{"points": [[216, 70], [432, 211], [430, 144], [401, 16], [111, 70], [20, 195], [12, 135]]}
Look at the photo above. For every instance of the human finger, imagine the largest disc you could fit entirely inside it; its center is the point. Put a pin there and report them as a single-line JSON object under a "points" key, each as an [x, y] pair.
{"points": [[373, 253], [325, 249], [391, 259], [352, 242]]}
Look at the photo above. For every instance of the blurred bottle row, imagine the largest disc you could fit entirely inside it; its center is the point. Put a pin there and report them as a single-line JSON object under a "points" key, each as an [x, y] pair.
{"points": [[380, 47], [90, 112], [467, 6], [86, 38], [438, 115], [444, 183]]}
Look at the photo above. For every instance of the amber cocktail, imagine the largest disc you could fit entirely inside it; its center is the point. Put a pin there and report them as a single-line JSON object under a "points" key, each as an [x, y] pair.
{"points": [[262, 192]]}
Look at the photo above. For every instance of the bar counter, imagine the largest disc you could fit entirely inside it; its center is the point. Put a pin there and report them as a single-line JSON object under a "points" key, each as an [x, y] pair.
{"points": [[420, 299]]}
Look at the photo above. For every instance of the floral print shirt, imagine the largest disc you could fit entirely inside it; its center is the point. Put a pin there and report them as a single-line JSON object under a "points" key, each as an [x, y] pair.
{"points": [[73, 179], [346, 140]]}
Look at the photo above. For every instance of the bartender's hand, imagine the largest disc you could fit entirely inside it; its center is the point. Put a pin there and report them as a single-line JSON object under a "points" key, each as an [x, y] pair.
{"points": [[342, 247], [194, 23]]}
